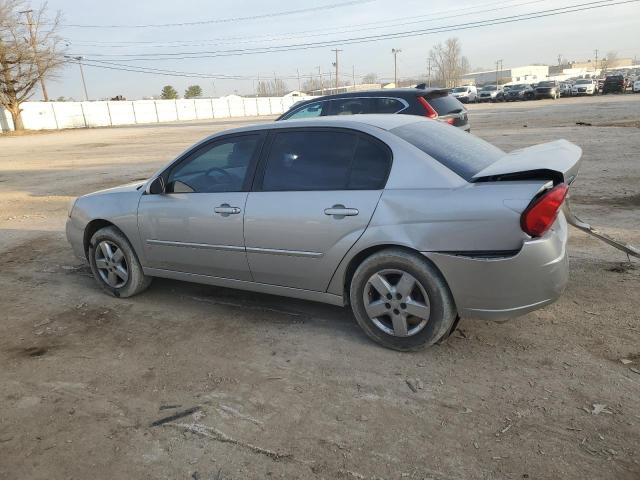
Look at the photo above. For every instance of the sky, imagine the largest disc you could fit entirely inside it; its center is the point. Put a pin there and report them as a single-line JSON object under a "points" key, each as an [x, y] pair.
{"points": [[575, 36]]}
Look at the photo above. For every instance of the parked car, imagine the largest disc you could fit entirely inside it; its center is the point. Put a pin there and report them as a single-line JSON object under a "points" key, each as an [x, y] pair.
{"points": [[636, 86], [466, 94], [565, 89], [520, 91], [584, 86], [613, 84], [410, 222], [547, 89], [434, 103], [489, 93]]}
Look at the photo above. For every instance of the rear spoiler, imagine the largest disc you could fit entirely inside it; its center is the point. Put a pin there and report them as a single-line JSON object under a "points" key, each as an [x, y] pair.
{"points": [[558, 161]]}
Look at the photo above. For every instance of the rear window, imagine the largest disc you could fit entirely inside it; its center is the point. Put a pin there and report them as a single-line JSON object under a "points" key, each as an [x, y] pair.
{"points": [[457, 150], [445, 104]]}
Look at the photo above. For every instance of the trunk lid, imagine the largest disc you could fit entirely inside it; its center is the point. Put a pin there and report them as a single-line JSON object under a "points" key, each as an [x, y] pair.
{"points": [[558, 161]]}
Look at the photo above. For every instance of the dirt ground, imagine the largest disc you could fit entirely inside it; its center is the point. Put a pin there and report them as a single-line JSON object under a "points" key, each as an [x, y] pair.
{"points": [[292, 389]]}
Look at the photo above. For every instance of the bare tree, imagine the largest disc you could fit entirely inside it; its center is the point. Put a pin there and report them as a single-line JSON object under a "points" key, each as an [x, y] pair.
{"points": [[448, 62], [370, 78], [609, 61], [271, 88], [29, 51]]}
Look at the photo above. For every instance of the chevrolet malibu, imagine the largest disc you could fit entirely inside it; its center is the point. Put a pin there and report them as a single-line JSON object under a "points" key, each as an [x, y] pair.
{"points": [[411, 222]]}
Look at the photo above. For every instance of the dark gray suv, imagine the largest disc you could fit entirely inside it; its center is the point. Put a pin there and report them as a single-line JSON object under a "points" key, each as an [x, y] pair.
{"points": [[434, 103]]}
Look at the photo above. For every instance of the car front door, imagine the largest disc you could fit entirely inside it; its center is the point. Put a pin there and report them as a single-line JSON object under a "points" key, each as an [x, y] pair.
{"points": [[196, 226], [314, 195]]}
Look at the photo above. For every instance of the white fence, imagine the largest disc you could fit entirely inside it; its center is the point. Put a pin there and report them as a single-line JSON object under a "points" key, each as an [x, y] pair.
{"points": [[59, 115]]}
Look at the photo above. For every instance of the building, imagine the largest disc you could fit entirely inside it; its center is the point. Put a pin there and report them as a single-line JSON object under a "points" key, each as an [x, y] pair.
{"points": [[525, 74]]}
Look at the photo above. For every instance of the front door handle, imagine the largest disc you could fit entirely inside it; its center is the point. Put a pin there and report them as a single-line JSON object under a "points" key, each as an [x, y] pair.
{"points": [[225, 210], [340, 211]]}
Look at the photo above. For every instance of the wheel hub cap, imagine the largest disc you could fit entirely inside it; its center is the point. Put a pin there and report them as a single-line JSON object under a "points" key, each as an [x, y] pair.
{"points": [[396, 303], [111, 264]]}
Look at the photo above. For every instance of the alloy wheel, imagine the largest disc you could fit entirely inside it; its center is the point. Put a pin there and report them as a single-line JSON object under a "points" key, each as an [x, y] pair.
{"points": [[396, 303], [111, 264]]}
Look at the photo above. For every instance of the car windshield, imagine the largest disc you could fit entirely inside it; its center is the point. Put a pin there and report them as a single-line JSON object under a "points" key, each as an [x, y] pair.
{"points": [[460, 152], [489, 88], [518, 87], [583, 82], [546, 84], [460, 89]]}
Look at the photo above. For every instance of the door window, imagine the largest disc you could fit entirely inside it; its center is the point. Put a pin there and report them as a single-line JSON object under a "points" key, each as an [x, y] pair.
{"points": [[311, 110], [325, 160], [352, 106], [219, 167]]}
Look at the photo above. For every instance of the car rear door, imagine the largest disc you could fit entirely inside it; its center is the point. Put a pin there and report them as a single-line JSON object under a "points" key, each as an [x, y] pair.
{"points": [[314, 195], [196, 226]]}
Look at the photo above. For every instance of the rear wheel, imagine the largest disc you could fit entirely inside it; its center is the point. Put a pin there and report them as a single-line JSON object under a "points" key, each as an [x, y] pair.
{"points": [[115, 265], [401, 300]]}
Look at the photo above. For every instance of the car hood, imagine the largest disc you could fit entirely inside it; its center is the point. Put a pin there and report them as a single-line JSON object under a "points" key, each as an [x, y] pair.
{"points": [[129, 187]]}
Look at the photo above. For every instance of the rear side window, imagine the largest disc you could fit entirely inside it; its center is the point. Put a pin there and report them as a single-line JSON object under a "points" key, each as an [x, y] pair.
{"points": [[388, 105], [445, 104], [325, 160], [311, 110], [459, 151]]}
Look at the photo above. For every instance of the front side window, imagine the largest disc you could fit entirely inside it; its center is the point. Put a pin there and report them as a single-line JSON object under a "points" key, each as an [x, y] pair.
{"points": [[325, 160], [218, 167], [310, 111]]}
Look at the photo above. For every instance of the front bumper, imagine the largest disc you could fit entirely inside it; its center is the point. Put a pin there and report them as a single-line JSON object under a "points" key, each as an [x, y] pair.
{"points": [[507, 287], [75, 237]]}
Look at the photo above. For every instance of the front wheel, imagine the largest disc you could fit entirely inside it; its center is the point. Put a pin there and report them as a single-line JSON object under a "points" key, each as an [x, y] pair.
{"points": [[115, 265], [401, 300]]}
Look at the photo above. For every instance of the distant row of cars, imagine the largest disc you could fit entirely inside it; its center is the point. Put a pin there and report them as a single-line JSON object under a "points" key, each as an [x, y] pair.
{"points": [[546, 89]]}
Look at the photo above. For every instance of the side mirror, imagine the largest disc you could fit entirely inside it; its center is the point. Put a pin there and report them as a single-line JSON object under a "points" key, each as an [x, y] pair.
{"points": [[157, 187]]}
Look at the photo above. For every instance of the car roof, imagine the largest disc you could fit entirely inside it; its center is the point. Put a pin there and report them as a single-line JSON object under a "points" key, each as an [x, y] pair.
{"points": [[381, 92], [357, 122]]}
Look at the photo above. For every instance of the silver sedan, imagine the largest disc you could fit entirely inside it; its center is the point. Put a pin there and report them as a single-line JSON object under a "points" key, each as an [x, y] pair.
{"points": [[412, 223]]}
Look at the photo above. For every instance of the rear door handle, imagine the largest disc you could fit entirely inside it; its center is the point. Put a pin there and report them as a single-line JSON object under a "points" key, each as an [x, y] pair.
{"points": [[225, 210], [340, 211]]}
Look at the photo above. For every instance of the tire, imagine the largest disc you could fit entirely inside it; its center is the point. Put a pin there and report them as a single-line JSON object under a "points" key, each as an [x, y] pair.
{"points": [[111, 256], [429, 297]]}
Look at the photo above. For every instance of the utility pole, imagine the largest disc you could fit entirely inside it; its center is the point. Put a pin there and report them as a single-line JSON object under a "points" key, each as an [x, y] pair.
{"points": [[596, 52], [353, 76], [501, 69], [299, 86], [429, 72], [498, 62], [276, 88], [321, 83], [336, 65], [32, 42], [395, 52], [84, 84]]}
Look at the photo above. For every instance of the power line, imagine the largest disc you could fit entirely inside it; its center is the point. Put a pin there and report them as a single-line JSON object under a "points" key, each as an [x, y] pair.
{"points": [[227, 20], [300, 34], [372, 38]]}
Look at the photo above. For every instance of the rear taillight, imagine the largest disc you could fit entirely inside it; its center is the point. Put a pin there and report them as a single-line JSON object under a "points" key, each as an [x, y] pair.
{"points": [[542, 212], [430, 112], [450, 120]]}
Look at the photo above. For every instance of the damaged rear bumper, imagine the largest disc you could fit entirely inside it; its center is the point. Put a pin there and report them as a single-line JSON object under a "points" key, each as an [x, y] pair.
{"points": [[507, 287]]}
